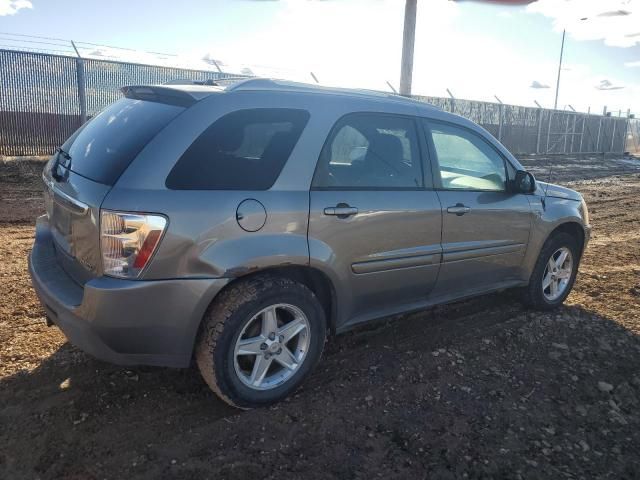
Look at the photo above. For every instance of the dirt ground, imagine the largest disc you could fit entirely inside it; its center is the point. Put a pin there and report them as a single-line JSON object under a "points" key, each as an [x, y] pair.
{"points": [[477, 389]]}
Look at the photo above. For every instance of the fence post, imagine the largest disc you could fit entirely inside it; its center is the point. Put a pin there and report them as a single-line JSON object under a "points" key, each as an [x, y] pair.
{"points": [[566, 134], [452, 101], [551, 112], [540, 112], [604, 112], [626, 131], [82, 95], [613, 134], [584, 118], [573, 133]]}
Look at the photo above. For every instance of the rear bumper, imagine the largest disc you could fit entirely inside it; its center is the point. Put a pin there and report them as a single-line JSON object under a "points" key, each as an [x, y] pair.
{"points": [[127, 322]]}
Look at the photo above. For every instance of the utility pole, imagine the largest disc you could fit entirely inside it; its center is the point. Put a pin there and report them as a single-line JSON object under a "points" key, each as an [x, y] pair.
{"points": [[555, 103], [408, 42]]}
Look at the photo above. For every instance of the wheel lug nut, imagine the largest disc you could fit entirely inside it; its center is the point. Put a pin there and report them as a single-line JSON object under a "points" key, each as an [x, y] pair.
{"points": [[272, 336], [263, 346], [279, 351], [266, 355], [281, 338]]}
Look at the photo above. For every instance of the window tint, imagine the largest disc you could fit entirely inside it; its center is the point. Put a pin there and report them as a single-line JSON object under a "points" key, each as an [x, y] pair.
{"points": [[369, 150], [103, 148], [244, 150], [466, 161]]}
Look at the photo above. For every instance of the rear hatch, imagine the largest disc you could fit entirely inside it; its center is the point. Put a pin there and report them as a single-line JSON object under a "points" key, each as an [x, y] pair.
{"points": [[79, 176]]}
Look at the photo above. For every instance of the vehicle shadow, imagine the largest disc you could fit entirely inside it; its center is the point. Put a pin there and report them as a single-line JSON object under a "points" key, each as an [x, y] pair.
{"points": [[382, 392]]}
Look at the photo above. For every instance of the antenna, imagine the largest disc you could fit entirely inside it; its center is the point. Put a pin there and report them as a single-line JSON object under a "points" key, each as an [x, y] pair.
{"points": [[314, 77]]}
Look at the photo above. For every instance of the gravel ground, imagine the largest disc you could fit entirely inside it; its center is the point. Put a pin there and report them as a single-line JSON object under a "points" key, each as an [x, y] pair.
{"points": [[477, 389]]}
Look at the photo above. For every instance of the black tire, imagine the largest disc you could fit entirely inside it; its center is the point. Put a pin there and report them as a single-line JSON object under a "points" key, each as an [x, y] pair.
{"points": [[224, 321], [533, 294]]}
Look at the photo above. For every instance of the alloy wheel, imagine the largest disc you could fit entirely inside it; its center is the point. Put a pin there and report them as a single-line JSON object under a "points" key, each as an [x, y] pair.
{"points": [[272, 346], [557, 274]]}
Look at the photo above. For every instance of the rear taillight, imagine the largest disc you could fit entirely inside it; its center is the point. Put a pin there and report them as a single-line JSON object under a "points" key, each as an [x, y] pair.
{"points": [[128, 241]]}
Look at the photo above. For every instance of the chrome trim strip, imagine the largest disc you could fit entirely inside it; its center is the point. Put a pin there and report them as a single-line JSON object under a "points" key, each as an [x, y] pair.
{"points": [[482, 252], [373, 266], [75, 206]]}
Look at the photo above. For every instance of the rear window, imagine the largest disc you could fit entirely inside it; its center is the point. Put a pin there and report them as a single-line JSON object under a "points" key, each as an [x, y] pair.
{"points": [[103, 148], [243, 150]]}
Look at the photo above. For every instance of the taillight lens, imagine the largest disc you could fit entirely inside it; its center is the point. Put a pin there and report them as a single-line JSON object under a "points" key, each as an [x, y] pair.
{"points": [[128, 241]]}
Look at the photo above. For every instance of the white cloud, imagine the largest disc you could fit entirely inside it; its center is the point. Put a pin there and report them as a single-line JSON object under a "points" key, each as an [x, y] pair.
{"points": [[616, 22], [606, 84], [633, 64], [537, 84], [11, 7]]}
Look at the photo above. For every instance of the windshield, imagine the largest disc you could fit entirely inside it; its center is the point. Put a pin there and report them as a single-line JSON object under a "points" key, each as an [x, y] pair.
{"points": [[103, 148]]}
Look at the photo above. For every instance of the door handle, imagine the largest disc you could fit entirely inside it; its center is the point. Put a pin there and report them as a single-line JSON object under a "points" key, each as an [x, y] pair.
{"points": [[459, 209], [341, 211]]}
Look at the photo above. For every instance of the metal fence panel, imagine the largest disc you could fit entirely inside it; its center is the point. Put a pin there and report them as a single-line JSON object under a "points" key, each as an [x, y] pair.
{"points": [[38, 102], [103, 79], [44, 98]]}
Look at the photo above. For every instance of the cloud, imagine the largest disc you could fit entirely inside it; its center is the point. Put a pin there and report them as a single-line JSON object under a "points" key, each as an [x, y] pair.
{"points": [[615, 22], [607, 85], [11, 7], [633, 64], [537, 84], [615, 13]]}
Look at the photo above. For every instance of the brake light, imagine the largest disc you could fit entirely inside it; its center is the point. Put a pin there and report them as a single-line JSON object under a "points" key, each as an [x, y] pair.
{"points": [[128, 241]]}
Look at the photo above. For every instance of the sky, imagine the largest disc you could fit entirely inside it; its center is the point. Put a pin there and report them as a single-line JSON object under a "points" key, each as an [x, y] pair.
{"points": [[475, 49]]}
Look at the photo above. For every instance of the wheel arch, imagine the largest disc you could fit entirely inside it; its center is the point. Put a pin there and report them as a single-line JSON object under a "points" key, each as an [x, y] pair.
{"points": [[314, 279], [575, 229]]}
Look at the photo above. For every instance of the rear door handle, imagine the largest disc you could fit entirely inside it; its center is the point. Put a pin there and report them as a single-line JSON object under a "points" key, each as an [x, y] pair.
{"points": [[341, 211], [458, 209]]}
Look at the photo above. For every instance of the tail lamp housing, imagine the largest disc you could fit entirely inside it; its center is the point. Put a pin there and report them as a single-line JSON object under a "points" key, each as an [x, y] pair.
{"points": [[128, 241]]}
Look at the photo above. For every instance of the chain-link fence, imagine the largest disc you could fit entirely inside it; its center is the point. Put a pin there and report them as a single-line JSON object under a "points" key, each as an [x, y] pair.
{"points": [[528, 130], [44, 98]]}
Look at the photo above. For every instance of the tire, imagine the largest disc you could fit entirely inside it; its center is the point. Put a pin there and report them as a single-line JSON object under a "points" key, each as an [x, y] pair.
{"points": [[535, 295], [235, 316]]}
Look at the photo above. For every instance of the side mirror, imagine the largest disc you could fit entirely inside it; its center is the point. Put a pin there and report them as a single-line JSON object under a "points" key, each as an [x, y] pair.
{"points": [[524, 182]]}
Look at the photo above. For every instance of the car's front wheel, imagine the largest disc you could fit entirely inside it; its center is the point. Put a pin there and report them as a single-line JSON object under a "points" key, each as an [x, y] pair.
{"points": [[260, 339], [554, 273]]}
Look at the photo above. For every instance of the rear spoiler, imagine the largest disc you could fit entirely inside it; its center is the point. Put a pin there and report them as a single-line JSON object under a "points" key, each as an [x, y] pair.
{"points": [[160, 94]]}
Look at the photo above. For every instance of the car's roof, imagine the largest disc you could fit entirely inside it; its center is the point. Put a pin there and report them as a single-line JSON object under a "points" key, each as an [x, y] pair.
{"points": [[199, 91]]}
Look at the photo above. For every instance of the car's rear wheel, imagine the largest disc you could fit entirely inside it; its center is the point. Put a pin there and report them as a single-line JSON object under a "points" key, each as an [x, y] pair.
{"points": [[260, 339], [554, 273]]}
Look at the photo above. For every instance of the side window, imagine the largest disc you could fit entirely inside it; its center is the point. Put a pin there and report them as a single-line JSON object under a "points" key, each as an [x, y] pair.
{"points": [[243, 150], [370, 151], [466, 161]]}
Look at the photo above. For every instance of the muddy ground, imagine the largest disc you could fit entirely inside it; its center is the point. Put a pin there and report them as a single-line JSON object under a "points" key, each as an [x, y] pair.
{"points": [[478, 389]]}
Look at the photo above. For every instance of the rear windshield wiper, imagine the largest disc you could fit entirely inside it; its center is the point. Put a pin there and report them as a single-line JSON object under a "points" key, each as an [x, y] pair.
{"points": [[67, 164], [60, 151]]}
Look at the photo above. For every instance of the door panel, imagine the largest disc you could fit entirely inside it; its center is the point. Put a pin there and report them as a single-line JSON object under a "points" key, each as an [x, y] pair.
{"points": [[385, 256], [372, 225], [485, 246], [485, 228]]}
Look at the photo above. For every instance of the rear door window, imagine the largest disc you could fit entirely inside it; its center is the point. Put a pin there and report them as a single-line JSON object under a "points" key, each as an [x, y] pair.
{"points": [[243, 150], [370, 151], [103, 148]]}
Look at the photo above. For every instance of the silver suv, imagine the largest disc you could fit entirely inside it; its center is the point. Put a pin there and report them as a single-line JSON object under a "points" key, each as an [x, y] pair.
{"points": [[242, 224]]}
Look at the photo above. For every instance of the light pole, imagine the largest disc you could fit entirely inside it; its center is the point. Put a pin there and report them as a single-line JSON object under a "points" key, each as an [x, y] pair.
{"points": [[408, 42], [555, 103]]}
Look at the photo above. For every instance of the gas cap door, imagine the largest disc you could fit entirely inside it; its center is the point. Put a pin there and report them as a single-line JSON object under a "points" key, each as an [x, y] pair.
{"points": [[251, 215]]}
